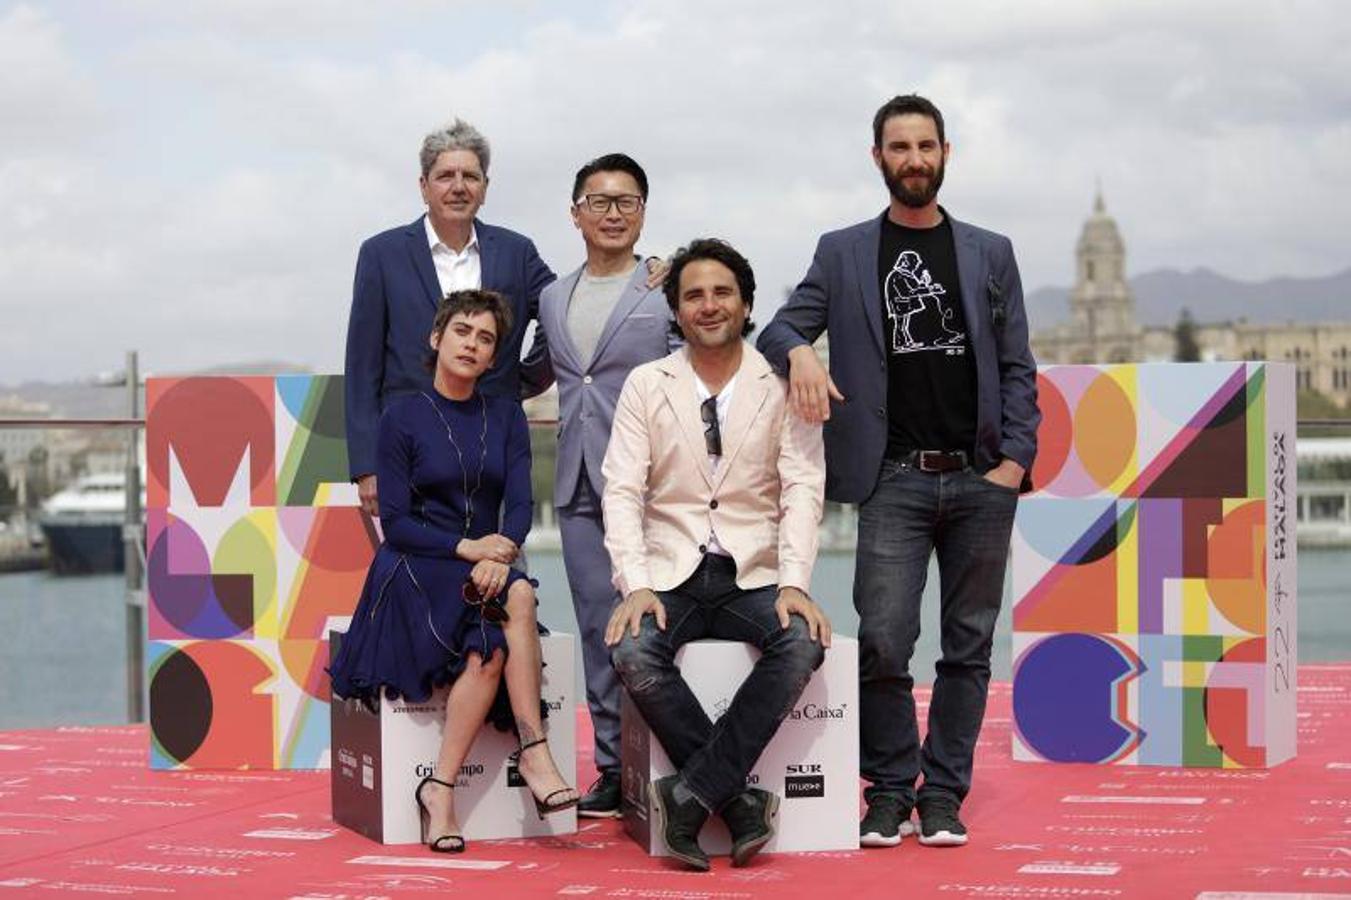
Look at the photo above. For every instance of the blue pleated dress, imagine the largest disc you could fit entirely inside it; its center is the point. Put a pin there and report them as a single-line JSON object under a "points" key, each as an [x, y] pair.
{"points": [[411, 630]]}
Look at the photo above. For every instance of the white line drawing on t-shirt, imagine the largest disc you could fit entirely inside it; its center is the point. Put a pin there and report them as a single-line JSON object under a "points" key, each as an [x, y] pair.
{"points": [[909, 287]]}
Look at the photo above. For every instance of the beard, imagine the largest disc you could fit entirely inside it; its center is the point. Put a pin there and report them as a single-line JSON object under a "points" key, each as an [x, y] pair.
{"points": [[728, 333], [915, 199]]}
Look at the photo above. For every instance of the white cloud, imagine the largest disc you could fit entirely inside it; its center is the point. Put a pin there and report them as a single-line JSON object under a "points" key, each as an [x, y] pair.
{"points": [[198, 186], [46, 98]]}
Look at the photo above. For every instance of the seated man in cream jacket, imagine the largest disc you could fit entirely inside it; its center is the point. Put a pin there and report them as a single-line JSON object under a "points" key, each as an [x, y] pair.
{"points": [[713, 496]]}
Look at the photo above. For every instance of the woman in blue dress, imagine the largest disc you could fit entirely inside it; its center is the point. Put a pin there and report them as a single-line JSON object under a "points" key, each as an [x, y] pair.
{"points": [[442, 604]]}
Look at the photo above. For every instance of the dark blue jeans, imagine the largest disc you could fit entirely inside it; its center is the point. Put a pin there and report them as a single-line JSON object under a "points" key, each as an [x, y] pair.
{"points": [[967, 521], [713, 759]]}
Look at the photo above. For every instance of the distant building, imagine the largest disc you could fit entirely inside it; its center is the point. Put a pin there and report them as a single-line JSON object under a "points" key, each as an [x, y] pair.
{"points": [[17, 444], [1103, 327], [38, 461], [97, 452]]}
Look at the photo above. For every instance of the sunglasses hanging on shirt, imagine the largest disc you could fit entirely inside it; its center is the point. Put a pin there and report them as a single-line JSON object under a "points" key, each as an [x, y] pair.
{"points": [[708, 412]]}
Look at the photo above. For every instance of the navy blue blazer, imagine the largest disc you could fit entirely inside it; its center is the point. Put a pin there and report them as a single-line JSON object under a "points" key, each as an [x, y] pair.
{"points": [[394, 300], [841, 294]]}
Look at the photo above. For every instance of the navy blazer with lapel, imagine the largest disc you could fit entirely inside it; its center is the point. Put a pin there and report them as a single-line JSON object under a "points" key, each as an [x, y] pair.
{"points": [[637, 331], [841, 295], [394, 300]]}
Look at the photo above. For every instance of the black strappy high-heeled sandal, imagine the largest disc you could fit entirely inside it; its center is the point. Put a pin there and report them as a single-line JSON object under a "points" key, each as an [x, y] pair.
{"points": [[444, 843], [546, 806]]}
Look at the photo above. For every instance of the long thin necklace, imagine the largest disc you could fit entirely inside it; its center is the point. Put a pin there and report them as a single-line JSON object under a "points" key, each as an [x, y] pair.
{"points": [[482, 458]]}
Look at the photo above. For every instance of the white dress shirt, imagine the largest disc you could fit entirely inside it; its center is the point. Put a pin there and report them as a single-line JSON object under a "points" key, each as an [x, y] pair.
{"points": [[461, 271]]}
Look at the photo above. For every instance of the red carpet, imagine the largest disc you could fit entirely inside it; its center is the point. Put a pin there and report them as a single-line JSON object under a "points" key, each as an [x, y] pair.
{"points": [[81, 814]]}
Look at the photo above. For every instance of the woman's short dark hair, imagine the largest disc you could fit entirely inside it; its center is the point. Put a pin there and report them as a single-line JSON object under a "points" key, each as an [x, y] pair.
{"points": [[470, 302], [718, 251]]}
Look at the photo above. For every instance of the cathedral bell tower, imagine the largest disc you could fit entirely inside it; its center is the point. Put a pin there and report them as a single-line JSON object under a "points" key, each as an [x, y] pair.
{"points": [[1101, 302]]}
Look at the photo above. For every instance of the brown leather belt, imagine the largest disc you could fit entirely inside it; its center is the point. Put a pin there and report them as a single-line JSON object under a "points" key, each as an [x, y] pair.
{"points": [[935, 460]]}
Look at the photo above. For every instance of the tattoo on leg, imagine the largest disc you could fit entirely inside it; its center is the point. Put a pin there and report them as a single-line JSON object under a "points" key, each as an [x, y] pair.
{"points": [[526, 733]]}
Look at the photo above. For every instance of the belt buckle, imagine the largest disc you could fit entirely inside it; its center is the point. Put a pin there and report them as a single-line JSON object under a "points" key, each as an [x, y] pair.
{"points": [[922, 462], [940, 460]]}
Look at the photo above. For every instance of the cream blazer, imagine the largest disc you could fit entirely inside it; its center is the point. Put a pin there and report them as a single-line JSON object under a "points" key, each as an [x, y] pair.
{"points": [[661, 498]]}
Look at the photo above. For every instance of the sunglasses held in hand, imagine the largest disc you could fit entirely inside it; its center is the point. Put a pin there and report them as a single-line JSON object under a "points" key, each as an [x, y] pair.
{"points": [[491, 610]]}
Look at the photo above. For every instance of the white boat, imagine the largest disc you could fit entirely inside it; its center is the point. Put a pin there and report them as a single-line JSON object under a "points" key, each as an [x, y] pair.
{"points": [[83, 525], [1324, 491]]}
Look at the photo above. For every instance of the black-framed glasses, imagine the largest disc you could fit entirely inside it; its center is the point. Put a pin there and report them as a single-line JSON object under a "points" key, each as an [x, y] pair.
{"points": [[708, 412], [600, 204], [491, 610]]}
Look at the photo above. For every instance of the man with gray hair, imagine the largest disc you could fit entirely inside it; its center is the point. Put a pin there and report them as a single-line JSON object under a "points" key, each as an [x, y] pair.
{"points": [[401, 276]]}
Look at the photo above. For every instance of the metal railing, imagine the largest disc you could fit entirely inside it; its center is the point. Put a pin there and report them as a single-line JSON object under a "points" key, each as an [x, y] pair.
{"points": [[71, 423], [134, 550], [132, 540]]}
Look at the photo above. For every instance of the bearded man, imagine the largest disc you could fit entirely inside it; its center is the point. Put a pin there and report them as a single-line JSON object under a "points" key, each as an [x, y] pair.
{"points": [[930, 411]]}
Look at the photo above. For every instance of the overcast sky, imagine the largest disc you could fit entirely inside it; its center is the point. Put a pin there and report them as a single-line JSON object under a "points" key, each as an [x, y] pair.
{"points": [[193, 179]]}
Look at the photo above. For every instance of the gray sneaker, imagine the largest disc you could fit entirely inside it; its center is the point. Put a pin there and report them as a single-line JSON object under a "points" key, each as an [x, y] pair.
{"points": [[886, 822], [938, 822]]}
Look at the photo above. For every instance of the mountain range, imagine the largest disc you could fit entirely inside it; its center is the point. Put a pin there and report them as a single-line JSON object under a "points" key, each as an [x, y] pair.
{"points": [[1162, 294], [105, 395]]}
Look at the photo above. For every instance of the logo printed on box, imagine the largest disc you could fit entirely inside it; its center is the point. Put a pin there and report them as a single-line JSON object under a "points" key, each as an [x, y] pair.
{"points": [[402, 749], [804, 786], [813, 711], [811, 747], [468, 770]]}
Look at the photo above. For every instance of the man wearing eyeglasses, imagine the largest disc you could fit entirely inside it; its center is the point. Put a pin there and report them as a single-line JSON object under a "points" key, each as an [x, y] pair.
{"points": [[401, 276], [713, 495], [595, 325]]}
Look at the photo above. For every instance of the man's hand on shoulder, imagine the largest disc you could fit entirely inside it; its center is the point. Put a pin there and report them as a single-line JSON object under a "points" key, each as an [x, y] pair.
{"points": [[793, 600], [628, 615], [368, 496], [810, 388], [657, 270]]}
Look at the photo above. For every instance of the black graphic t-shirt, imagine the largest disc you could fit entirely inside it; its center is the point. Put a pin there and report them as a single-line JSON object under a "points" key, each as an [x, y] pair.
{"points": [[931, 377]]}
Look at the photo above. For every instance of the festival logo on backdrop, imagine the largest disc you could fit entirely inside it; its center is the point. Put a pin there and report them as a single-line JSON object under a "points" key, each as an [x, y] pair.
{"points": [[1149, 610], [254, 543]]}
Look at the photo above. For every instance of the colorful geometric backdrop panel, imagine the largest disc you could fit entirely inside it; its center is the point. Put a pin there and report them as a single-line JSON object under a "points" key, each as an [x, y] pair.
{"points": [[1154, 568], [254, 543]]}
